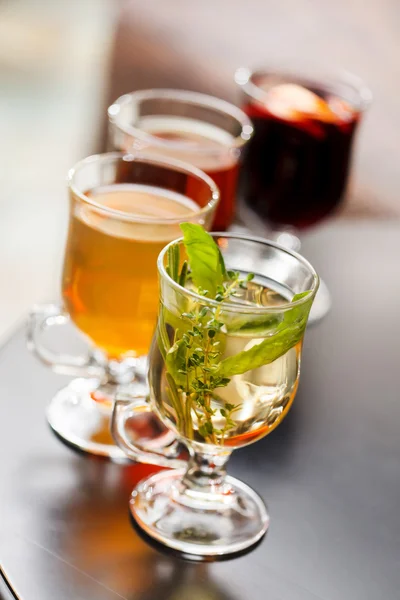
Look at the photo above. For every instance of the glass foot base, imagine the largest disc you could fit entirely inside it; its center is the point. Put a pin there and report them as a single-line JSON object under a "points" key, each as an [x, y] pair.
{"points": [[197, 524], [84, 423]]}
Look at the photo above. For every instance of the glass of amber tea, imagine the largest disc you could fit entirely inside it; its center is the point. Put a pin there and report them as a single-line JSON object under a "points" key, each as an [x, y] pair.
{"points": [[123, 211], [206, 132], [223, 374]]}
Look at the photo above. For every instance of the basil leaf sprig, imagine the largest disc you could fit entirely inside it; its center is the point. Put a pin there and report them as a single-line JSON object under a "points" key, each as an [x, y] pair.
{"points": [[207, 265]]}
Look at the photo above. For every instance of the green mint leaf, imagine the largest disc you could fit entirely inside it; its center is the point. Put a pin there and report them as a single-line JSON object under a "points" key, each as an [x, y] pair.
{"points": [[174, 397], [221, 262], [176, 361], [209, 427], [300, 296], [203, 312], [261, 324], [203, 431], [183, 274], [268, 324], [173, 262], [223, 382], [263, 353], [206, 262], [283, 337], [163, 339], [297, 312]]}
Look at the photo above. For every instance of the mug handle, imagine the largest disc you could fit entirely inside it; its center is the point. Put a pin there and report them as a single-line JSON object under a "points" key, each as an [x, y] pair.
{"points": [[40, 320], [161, 448]]}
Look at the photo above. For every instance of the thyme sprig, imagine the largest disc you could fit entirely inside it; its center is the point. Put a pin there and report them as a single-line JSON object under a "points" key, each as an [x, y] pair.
{"points": [[197, 353]]}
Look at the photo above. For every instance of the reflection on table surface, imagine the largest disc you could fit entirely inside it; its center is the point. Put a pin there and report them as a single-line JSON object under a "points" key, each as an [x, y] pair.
{"points": [[330, 472]]}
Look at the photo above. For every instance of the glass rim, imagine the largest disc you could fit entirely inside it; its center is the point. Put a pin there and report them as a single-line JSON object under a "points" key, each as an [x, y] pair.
{"points": [[183, 96], [240, 308], [173, 164], [244, 77]]}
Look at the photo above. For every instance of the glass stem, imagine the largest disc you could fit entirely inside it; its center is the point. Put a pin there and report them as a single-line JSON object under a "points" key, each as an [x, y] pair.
{"points": [[121, 371], [127, 373], [206, 473]]}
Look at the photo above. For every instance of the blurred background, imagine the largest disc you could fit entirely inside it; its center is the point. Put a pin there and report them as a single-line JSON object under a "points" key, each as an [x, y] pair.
{"points": [[63, 62]]}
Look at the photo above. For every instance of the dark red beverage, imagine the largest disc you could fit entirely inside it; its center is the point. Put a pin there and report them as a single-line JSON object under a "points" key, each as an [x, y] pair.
{"points": [[297, 164]]}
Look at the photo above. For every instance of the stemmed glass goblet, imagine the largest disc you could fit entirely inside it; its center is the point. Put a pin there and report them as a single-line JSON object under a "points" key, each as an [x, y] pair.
{"points": [[296, 165], [123, 210], [222, 375], [204, 131]]}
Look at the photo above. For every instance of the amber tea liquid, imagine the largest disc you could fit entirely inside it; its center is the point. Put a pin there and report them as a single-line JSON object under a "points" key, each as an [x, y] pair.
{"points": [[109, 285]]}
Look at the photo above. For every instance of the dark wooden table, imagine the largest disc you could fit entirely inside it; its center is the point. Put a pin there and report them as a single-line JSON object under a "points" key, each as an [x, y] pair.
{"points": [[330, 473]]}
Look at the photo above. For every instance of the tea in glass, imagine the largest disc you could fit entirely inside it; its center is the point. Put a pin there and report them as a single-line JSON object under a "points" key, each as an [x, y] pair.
{"points": [[204, 131], [224, 370], [123, 210], [109, 286], [249, 405]]}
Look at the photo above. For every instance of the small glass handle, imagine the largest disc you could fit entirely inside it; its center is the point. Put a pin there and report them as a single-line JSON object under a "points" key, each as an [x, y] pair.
{"points": [[148, 441], [40, 320]]}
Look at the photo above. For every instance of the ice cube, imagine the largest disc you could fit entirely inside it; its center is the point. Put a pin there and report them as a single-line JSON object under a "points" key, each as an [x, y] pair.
{"points": [[294, 102]]}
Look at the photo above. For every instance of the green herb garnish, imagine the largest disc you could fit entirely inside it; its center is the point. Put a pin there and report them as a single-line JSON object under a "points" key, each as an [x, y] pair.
{"points": [[206, 262], [194, 359]]}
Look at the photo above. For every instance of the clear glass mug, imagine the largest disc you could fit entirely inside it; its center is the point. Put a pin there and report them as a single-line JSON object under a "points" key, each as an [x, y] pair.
{"points": [[123, 210], [222, 376], [206, 132]]}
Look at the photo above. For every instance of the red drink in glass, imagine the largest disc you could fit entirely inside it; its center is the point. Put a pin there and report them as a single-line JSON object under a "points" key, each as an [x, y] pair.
{"points": [[207, 147], [297, 163]]}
